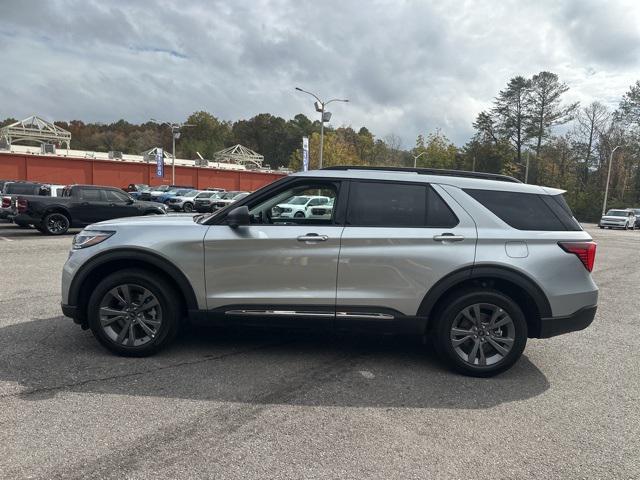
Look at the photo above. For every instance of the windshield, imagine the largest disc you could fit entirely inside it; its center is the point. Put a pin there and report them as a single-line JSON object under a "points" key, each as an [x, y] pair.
{"points": [[299, 200], [206, 194], [617, 213]]}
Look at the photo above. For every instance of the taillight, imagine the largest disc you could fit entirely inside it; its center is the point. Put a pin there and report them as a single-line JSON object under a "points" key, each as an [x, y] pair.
{"points": [[6, 202], [22, 205], [585, 251]]}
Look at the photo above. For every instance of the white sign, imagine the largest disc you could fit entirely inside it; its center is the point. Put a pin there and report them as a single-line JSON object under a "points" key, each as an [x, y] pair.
{"points": [[305, 154]]}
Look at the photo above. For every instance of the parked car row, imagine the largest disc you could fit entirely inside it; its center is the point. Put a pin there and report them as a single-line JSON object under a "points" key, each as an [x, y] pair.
{"points": [[626, 218], [25, 203], [53, 209]]}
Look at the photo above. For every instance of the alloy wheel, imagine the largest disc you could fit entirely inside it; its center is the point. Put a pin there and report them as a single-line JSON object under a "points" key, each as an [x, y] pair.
{"points": [[482, 334], [57, 223], [130, 315]]}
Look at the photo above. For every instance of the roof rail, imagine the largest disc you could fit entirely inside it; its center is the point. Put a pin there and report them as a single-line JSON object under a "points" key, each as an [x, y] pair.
{"points": [[432, 171]]}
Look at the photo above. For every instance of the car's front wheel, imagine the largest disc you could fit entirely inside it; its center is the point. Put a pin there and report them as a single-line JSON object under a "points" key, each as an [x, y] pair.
{"points": [[133, 313], [480, 332], [188, 207]]}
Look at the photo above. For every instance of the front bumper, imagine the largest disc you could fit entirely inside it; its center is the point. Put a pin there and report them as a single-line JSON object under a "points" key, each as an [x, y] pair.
{"points": [[606, 223], [553, 326]]}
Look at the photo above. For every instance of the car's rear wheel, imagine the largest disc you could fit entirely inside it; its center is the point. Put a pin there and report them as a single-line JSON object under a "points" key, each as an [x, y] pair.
{"points": [[133, 313], [55, 224], [480, 332], [187, 207]]}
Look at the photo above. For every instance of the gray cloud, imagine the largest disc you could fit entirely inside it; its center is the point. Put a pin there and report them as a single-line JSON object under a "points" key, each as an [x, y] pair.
{"points": [[407, 67]]}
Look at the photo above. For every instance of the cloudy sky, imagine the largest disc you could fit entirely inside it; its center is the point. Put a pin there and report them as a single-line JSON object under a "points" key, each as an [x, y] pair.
{"points": [[407, 67]]}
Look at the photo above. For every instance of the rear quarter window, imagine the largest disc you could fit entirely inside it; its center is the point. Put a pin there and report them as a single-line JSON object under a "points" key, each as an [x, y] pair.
{"points": [[528, 211]]}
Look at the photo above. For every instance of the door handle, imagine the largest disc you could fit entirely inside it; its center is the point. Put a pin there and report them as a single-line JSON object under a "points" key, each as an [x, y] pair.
{"points": [[84, 204], [313, 237], [448, 237]]}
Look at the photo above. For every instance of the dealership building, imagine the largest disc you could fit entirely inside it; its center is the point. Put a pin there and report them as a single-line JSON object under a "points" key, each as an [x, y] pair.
{"points": [[53, 161]]}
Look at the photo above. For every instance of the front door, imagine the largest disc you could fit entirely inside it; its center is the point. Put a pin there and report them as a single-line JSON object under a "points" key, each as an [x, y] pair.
{"points": [[400, 238], [275, 271]]}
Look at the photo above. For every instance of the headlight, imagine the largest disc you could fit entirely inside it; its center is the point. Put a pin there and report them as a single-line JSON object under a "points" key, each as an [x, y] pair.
{"points": [[88, 238]]}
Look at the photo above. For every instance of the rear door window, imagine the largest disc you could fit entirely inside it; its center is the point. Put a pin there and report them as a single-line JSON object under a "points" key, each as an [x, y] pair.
{"points": [[388, 204], [90, 195], [528, 211]]}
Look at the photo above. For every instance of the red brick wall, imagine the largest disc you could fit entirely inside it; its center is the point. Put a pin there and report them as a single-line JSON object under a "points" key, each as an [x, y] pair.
{"points": [[66, 171]]}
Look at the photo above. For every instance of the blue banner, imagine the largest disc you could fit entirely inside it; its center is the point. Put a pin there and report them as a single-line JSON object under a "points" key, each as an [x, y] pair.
{"points": [[159, 163]]}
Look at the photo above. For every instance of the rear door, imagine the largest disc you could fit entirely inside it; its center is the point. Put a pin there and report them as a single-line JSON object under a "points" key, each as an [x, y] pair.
{"points": [[399, 240], [120, 205], [89, 205]]}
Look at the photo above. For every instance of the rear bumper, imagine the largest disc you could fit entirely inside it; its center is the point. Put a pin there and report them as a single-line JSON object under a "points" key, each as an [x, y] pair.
{"points": [[26, 219], [550, 327]]}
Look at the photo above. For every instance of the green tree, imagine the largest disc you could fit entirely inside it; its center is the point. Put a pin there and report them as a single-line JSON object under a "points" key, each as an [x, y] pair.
{"points": [[510, 113], [544, 108]]}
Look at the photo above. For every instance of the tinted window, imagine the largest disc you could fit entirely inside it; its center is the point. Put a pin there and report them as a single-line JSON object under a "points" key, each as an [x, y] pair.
{"points": [[22, 189], [90, 195], [526, 211], [438, 212], [115, 196], [376, 204]]}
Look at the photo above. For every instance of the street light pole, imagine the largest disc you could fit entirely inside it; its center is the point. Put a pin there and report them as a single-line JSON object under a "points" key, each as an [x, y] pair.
{"points": [[321, 135], [606, 188], [415, 159], [175, 133], [321, 110]]}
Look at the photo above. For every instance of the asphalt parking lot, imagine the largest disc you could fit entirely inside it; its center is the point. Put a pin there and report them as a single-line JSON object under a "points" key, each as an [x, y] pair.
{"points": [[254, 404]]}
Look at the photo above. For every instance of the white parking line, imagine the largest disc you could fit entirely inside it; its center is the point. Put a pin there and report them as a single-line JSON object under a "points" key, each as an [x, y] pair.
{"points": [[6, 239]]}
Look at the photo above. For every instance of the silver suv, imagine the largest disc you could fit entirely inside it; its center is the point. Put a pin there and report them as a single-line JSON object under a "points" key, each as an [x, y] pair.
{"points": [[476, 263]]}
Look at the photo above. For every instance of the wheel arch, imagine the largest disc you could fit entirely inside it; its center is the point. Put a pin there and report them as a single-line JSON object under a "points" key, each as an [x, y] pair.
{"points": [[525, 291], [57, 209], [90, 274]]}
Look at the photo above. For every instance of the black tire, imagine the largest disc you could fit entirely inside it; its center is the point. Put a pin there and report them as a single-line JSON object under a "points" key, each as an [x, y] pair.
{"points": [[55, 224], [169, 307], [453, 307], [299, 215], [187, 207]]}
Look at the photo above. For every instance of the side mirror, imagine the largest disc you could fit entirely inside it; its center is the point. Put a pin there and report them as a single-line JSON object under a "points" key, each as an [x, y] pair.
{"points": [[130, 201], [238, 216]]}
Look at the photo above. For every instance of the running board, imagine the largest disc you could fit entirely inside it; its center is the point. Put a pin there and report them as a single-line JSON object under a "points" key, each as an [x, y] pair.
{"points": [[296, 313]]}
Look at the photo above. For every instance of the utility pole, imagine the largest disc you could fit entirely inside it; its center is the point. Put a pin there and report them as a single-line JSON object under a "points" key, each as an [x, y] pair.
{"points": [[526, 169]]}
